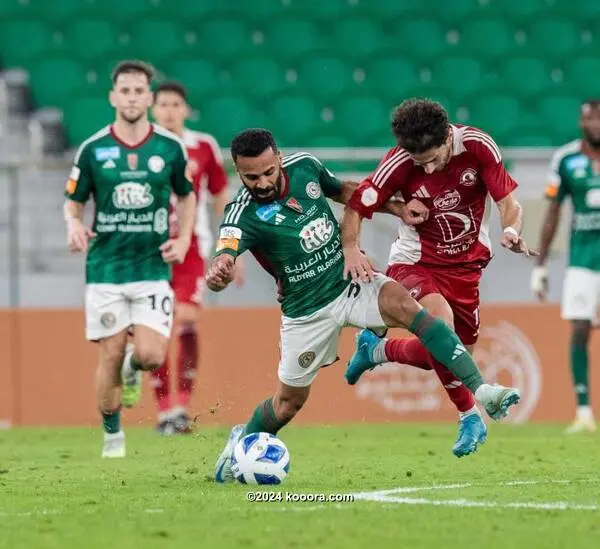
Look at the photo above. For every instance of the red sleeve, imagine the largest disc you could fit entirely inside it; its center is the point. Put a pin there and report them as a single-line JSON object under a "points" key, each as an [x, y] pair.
{"points": [[384, 182], [217, 178], [493, 173]]}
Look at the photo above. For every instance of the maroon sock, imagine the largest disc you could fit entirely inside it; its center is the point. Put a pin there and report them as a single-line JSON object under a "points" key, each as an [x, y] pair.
{"points": [[407, 350], [412, 352], [160, 383], [188, 363]]}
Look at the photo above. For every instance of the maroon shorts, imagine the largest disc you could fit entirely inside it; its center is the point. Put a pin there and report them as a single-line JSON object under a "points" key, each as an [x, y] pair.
{"points": [[188, 280], [459, 286]]}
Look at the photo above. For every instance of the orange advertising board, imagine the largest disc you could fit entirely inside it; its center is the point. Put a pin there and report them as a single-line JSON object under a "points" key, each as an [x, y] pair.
{"points": [[47, 371]]}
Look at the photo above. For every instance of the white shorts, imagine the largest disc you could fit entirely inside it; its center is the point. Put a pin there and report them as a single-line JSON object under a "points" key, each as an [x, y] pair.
{"points": [[581, 293], [310, 342], [111, 308]]}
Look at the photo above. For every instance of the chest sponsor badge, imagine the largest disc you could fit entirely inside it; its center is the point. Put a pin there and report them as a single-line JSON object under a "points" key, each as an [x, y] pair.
{"points": [[266, 212], [107, 153]]}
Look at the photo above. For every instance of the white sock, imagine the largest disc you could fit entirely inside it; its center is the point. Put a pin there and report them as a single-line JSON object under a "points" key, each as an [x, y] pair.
{"points": [[108, 436], [379, 355], [585, 412], [164, 415], [470, 412], [177, 411]]}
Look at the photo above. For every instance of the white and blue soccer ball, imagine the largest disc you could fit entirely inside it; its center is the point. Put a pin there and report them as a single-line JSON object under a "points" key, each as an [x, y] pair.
{"points": [[260, 458]]}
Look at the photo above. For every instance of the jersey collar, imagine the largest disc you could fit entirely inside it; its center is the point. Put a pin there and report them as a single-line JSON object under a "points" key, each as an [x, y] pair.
{"points": [[137, 145], [285, 188]]}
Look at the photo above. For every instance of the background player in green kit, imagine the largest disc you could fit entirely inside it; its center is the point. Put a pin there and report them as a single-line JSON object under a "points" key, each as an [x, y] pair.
{"points": [[130, 168], [282, 216], [575, 173]]}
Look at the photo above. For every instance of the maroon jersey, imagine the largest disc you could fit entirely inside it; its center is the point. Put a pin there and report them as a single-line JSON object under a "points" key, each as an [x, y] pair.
{"points": [[456, 232], [205, 164]]}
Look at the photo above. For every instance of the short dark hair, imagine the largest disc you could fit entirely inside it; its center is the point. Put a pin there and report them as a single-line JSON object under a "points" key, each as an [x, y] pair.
{"points": [[593, 103], [252, 143], [420, 125], [171, 87], [132, 66]]}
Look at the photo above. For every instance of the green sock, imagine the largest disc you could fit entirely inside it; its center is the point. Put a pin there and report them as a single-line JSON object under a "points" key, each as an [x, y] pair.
{"points": [[579, 371], [264, 419], [111, 421], [445, 347]]}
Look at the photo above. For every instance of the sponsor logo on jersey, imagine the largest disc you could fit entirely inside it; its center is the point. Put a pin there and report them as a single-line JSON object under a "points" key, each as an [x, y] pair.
{"points": [[580, 173], [447, 201], [316, 234], [294, 205], [110, 163], [578, 162], [415, 292], [369, 197], [456, 225], [230, 232], [156, 163], [313, 190], [132, 196], [107, 153], [132, 161], [468, 178], [264, 213], [592, 198]]}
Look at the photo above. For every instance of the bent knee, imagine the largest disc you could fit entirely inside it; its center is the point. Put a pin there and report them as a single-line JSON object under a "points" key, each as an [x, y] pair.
{"points": [[150, 358], [437, 306]]}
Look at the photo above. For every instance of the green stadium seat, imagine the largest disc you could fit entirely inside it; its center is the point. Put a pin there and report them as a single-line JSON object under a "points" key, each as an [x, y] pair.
{"points": [[89, 39], [358, 37], [55, 79], [200, 77], [223, 38], [259, 76], [192, 10], [438, 94], [359, 118], [560, 113], [294, 118], [326, 139], [529, 137], [586, 11], [322, 10], [24, 40], [386, 10], [523, 11], [326, 77], [422, 38], [552, 37], [495, 114], [459, 76], [61, 12], [391, 76], [584, 74], [455, 11], [85, 115], [487, 38], [124, 12], [262, 12], [526, 76], [225, 115], [293, 39], [11, 9], [156, 40]]}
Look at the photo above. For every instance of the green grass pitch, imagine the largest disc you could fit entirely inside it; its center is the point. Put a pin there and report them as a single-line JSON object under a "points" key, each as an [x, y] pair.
{"points": [[528, 487]]}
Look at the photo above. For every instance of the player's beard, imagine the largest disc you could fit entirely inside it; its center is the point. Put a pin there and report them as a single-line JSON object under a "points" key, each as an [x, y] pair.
{"points": [[593, 140], [267, 195], [132, 118]]}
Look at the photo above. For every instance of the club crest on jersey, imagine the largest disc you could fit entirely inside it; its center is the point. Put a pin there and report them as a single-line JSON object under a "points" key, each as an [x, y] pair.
{"points": [[132, 196], [294, 205], [447, 201], [414, 292], [316, 234], [468, 178], [155, 164], [132, 161], [266, 212], [313, 190]]}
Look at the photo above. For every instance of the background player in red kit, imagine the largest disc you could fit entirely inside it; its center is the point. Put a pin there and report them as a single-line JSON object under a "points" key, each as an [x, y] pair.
{"points": [[206, 164], [452, 170]]}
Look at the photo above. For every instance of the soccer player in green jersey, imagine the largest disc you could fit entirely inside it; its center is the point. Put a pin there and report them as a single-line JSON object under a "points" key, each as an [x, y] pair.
{"points": [[282, 216], [575, 173], [130, 168]]}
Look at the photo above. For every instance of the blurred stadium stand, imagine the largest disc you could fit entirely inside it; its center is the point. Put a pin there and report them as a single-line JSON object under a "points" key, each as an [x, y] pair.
{"points": [[319, 73]]}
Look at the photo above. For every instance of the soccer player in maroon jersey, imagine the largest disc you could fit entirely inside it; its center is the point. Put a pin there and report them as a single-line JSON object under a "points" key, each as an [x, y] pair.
{"points": [[453, 170], [208, 177]]}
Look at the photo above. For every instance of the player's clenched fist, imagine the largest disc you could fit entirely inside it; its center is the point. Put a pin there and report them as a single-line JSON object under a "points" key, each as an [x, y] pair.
{"points": [[78, 235], [174, 250], [221, 273]]}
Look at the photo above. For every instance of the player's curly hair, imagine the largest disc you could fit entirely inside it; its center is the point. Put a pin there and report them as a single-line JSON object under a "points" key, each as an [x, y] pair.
{"points": [[420, 125], [252, 143]]}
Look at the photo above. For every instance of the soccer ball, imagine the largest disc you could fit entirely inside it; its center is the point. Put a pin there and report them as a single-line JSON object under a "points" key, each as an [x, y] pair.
{"points": [[260, 458]]}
